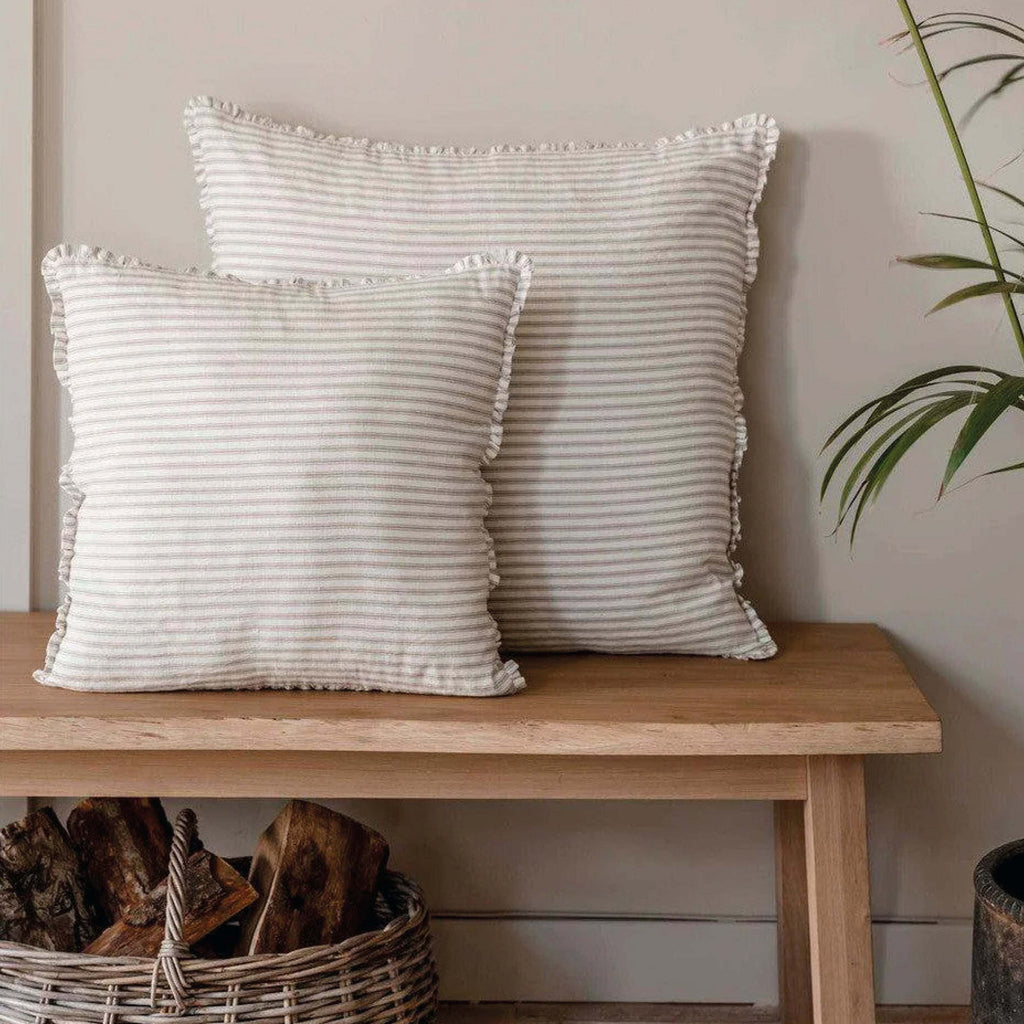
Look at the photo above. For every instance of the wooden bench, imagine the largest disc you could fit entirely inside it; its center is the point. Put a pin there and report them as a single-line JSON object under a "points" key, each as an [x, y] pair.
{"points": [[793, 730]]}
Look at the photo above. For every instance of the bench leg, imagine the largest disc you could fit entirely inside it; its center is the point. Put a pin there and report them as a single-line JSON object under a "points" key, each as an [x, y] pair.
{"points": [[794, 941], [835, 827]]}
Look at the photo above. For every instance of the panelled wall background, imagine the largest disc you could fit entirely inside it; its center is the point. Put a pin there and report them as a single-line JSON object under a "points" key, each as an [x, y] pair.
{"points": [[605, 901]]}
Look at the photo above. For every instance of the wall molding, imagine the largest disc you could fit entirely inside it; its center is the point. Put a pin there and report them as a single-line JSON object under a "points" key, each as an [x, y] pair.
{"points": [[17, 42], [556, 959]]}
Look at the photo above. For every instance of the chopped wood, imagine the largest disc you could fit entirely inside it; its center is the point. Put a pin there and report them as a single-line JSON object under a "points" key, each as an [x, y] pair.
{"points": [[214, 892], [317, 873], [221, 943], [124, 845], [43, 893]]}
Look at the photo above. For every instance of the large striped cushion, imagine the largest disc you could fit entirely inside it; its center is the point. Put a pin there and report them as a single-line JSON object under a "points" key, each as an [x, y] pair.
{"points": [[615, 512], [280, 485]]}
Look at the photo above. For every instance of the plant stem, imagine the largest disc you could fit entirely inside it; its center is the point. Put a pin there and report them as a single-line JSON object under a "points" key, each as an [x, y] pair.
{"points": [[965, 169]]}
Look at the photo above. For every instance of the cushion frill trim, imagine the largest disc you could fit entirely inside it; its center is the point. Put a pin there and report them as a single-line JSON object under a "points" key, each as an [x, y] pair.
{"points": [[769, 132], [69, 521], [67, 253], [506, 676], [761, 125], [232, 110]]}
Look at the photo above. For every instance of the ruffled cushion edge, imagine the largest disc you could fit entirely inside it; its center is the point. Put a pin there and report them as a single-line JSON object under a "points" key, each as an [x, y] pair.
{"points": [[767, 132]]}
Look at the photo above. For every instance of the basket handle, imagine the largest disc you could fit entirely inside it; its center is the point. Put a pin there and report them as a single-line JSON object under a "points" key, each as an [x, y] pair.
{"points": [[173, 948]]}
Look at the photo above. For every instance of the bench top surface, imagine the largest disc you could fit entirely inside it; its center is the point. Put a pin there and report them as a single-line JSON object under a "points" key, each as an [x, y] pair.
{"points": [[833, 689]]}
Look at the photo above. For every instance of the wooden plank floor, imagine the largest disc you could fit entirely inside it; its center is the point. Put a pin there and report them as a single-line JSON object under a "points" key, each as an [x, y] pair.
{"points": [[667, 1013]]}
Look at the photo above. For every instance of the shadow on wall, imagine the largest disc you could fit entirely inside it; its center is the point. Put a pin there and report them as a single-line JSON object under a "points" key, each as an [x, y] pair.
{"points": [[776, 485], [974, 783], [956, 806], [940, 814], [782, 528]]}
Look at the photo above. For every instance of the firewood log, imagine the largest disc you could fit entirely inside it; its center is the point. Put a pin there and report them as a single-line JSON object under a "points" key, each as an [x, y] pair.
{"points": [[43, 894], [214, 892], [124, 845], [221, 943], [317, 874]]}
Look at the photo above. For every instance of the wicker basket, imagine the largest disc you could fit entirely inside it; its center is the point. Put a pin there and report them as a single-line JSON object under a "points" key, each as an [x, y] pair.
{"points": [[381, 977]]}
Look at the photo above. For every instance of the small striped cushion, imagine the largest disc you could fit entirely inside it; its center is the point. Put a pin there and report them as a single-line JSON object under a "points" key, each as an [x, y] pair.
{"points": [[279, 485], [615, 512]]}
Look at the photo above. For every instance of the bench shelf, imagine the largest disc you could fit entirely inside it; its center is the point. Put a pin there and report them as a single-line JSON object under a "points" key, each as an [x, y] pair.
{"points": [[793, 730]]}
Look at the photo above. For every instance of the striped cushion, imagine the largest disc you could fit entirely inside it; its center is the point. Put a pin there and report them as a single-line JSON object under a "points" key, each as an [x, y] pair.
{"points": [[280, 485], [615, 513]]}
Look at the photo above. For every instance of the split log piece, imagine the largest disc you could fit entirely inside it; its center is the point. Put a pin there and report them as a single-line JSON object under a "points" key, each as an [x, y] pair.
{"points": [[317, 873], [124, 845], [214, 892], [44, 898]]}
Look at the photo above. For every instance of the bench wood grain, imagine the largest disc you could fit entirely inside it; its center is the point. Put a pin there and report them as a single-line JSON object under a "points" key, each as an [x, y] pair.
{"points": [[833, 689], [794, 730]]}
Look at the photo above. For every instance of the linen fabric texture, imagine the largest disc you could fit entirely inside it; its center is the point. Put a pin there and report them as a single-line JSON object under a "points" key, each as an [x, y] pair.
{"points": [[278, 485], [615, 511]]}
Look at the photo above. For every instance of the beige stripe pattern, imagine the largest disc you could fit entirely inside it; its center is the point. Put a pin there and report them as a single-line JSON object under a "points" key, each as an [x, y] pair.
{"points": [[615, 512], [280, 485]]}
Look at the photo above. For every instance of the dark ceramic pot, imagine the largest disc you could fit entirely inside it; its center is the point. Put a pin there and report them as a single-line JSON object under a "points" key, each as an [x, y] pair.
{"points": [[997, 969]]}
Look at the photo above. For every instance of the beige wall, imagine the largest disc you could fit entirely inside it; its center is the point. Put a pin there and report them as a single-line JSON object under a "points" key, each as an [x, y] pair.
{"points": [[831, 321]]}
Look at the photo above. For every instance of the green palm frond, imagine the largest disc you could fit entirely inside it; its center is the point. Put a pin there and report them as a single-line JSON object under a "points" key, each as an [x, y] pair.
{"points": [[1005, 193], [1019, 242], [866, 448], [977, 291], [871, 441], [1006, 394]]}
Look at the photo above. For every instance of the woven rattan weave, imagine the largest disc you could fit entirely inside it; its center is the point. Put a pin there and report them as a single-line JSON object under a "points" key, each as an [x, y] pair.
{"points": [[386, 976]]}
